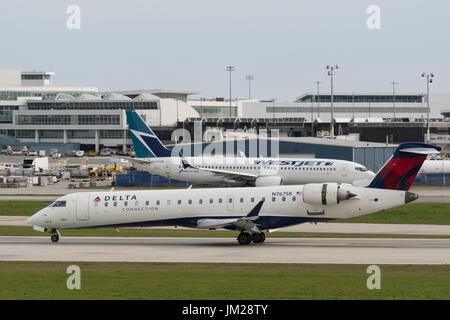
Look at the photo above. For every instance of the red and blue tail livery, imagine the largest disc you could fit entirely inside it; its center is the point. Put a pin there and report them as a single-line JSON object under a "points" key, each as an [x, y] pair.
{"points": [[401, 169]]}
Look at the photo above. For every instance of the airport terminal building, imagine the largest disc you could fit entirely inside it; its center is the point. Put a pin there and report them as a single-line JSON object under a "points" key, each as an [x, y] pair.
{"points": [[34, 112]]}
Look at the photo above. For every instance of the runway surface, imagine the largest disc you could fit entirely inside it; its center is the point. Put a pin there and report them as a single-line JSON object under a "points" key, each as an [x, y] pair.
{"points": [[274, 250], [364, 228]]}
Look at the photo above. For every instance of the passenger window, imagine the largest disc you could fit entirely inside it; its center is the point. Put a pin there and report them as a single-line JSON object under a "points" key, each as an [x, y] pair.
{"points": [[200, 201], [115, 204], [263, 199], [252, 199], [273, 199], [284, 198], [147, 203], [157, 202], [190, 201], [230, 200], [179, 201], [220, 200], [125, 203], [242, 200], [106, 204], [294, 198], [211, 201]]}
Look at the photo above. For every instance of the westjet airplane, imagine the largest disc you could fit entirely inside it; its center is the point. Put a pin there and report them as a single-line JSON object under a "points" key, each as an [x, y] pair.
{"points": [[248, 210], [154, 157]]}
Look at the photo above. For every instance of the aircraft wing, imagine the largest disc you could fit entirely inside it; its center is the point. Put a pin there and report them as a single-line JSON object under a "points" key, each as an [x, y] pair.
{"points": [[230, 175], [137, 160], [245, 223]]}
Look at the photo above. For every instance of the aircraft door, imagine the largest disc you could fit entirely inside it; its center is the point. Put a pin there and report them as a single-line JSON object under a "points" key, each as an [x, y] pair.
{"points": [[230, 203], [83, 206]]}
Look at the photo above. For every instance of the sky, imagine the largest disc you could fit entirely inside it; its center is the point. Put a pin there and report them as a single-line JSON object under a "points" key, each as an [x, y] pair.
{"points": [[179, 44]]}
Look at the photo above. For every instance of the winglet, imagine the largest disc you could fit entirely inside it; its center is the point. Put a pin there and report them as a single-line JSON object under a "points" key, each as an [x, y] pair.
{"points": [[255, 211]]}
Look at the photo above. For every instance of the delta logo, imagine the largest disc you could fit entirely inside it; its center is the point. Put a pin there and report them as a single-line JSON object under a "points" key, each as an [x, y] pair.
{"points": [[97, 199]]}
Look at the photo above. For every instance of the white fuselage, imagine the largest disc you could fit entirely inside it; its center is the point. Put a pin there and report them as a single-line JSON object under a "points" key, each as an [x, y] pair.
{"points": [[283, 206], [435, 166], [291, 171]]}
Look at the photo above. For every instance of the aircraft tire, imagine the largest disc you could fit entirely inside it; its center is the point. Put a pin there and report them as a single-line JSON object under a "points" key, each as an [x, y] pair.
{"points": [[54, 238], [258, 237], [244, 238]]}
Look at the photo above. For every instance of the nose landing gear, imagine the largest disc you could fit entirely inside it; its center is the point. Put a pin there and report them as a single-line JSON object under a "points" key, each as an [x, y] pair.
{"points": [[246, 238], [55, 236]]}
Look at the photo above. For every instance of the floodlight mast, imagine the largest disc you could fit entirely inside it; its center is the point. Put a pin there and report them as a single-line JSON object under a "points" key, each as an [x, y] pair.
{"points": [[429, 79], [230, 69], [331, 72]]}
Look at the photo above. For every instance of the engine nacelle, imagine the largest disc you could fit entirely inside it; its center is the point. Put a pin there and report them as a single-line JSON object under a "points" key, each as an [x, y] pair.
{"points": [[325, 193], [268, 181]]}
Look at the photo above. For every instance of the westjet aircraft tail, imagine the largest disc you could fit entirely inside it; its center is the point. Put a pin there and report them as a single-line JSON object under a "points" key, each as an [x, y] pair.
{"points": [[401, 169], [146, 143]]}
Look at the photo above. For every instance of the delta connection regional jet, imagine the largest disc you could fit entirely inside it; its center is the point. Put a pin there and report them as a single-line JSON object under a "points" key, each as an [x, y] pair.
{"points": [[248, 210], [154, 157]]}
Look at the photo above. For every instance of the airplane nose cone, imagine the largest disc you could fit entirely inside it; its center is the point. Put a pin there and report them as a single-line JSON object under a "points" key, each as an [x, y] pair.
{"points": [[32, 220], [36, 219], [370, 175]]}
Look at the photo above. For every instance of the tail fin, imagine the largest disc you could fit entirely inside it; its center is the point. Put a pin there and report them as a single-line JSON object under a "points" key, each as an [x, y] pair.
{"points": [[399, 172], [146, 143]]}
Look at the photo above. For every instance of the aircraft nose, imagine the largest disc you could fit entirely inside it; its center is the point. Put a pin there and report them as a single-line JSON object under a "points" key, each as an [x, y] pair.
{"points": [[31, 220], [36, 219], [370, 175]]}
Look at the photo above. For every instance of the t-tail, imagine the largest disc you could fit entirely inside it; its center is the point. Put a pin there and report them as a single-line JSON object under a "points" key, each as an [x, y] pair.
{"points": [[146, 143], [399, 172]]}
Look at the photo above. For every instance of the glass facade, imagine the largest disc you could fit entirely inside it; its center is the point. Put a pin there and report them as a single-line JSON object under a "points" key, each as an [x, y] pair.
{"points": [[25, 134], [80, 134], [90, 119], [35, 76], [50, 95], [215, 112], [51, 134], [111, 134], [6, 113], [101, 119], [363, 98], [92, 105], [43, 120], [347, 109]]}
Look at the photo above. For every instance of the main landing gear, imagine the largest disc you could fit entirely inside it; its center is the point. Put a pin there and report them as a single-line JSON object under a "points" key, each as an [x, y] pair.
{"points": [[55, 236], [246, 238]]}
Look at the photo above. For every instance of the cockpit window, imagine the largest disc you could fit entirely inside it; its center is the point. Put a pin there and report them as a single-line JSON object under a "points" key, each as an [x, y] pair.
{"points": [[58, 204], [361, 169]]}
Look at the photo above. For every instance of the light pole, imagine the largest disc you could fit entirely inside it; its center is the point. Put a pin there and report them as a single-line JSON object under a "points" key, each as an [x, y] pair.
{"points": [[273, 106], [249, 77], [230, 69], [429, 78], [393, 95], [317, 83], [331, 73]]}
